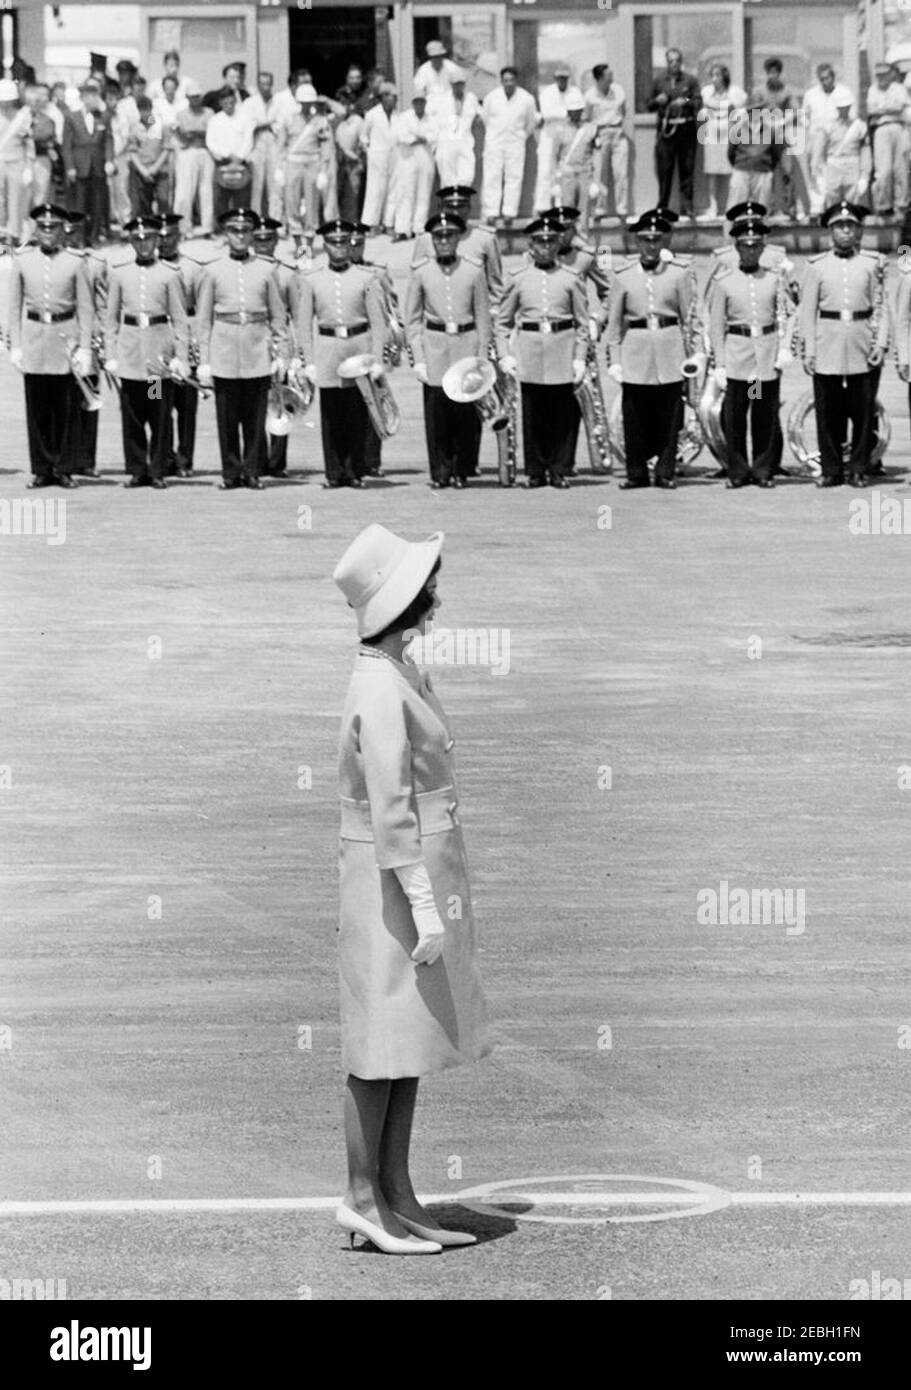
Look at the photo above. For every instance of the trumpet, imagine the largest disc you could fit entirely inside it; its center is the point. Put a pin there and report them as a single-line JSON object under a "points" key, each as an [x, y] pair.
{"points": [[161, 367], [381, 405], [91, 399]]}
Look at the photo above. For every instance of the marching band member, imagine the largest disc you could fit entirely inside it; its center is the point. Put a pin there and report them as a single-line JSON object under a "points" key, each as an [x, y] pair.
{"points": [[49, 301], [747, 333], [146, 341], [184, 398], [374, 449], [650, 336], [85, 422], [447, 317], [844, 324], [340, 316], [243, 344], [265, 243], [415, 137], [480, 243], [545, 305]]}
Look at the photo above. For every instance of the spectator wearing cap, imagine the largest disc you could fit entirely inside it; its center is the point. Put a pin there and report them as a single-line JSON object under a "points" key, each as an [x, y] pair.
{"points": [[415, 141], [285, 100], [349, 145], [171, 70], [307, 165], [753, 153], [261, 110], [846, 157], [553, 100], [379, 141], [229, 141], [15, 153], [722, 102], [456, 121], [575, 150], [194, 167], [433, 78], [510, 117], [88, 158], [243, 346], [888, 116], [150, 168], [819, 110]]}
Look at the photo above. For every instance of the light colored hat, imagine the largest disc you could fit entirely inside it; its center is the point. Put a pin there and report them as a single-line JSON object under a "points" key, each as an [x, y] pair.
{"points": [[388, 89], [8, 90], [192, 88], [435, 49], [305, 92], [380, 573]]}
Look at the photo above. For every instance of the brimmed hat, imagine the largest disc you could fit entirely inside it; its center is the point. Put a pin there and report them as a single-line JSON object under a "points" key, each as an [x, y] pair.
{"points": [[380, 573], [240, 219], [9, 91], [749, 229], [48, 215], [445, 222], [435, 49], [143, 226], [305, 92], [338, 230], [562, 214], [747, 209], [542, 230], [455, 193], [844, 212], [655, 222]]}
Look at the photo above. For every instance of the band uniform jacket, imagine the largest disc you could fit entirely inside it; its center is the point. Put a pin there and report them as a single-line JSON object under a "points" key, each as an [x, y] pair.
{"points": [[399, 804], [288, 282], [903, 315], [86, 152], [844, 286], [456, 296], [651, 355], [99, 276], [347, 306], [145, 293], [536, 296], [57, 287], [582, 259], [755, 301], [478, 244], [240, 318]]}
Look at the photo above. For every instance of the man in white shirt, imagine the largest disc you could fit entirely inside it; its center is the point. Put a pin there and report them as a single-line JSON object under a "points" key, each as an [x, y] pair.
{"points": [[171, 69], [379, 141], [15, 137], [285, 102], [260, 110], [820, 110], [888, 113], [455, 121], [229, 141], [510, 116], [415, 138], [168, 105], [553, 101], [433, 79], [605, 104]]}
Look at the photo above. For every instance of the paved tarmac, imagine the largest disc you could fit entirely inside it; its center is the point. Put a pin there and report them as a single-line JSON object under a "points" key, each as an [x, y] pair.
{"points": [[173, 682]]}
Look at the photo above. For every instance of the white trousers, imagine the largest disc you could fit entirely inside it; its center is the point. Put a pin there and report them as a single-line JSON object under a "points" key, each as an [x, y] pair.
{"points": [[504, 165], [264, 163], [195, 175], [614, 171], [14, 197], [412, 186], [456, 161], [544, 182], [890, 186], [378, 207]]}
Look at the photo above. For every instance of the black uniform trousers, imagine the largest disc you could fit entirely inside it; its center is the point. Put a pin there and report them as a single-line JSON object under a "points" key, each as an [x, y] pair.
{"points": [[345, 426], [373, 453], [548, 434], [676, 151], [753, 404], [652, 420], [184, 403], [50, 408], [85, 430], [277, 454], [145, 415], [241, 404], [842, 401], [453, 433]]}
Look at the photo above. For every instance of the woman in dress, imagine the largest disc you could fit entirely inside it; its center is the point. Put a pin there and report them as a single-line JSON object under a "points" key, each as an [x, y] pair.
{"points": [[411, 997], [719, 102]]}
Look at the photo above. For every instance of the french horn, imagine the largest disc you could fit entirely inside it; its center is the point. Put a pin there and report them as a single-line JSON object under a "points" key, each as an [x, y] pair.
{"points": [[808, 464], [381, 405]]}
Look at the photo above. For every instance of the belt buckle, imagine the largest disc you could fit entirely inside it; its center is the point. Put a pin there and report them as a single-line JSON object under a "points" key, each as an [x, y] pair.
{"points": [[451, 327], [341, 330], [544, 326], [847, 316], [47, 316], [241, 317], [755, 330], [143, 320], [653, 322]]}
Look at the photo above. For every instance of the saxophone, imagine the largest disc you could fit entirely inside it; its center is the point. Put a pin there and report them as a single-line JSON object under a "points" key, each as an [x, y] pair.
{"points": [[507, 447], [594, 417]]}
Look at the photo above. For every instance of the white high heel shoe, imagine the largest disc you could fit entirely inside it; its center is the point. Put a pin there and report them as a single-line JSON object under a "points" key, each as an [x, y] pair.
{"points": [[444, 1238], [355, 1224]]}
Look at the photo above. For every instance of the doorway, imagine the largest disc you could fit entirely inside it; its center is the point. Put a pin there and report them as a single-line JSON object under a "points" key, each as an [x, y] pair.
{"points": [[327, 43]]}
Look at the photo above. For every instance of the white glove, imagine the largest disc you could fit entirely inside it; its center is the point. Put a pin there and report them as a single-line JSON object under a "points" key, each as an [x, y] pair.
{"points": [[15, 357], [720, 377], [593, 330], [83, 361], [415, 880], [177, 369], [295, 366], [578, 371], [310, 374], [875, 357], [204, 375], [377, 372], [809, 365], [111, 366], [784, 359], [616, 373], [420, 371], [509, 365], [278, 368]]}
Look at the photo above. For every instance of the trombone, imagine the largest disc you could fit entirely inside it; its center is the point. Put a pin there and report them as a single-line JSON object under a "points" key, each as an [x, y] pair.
{"points": [[91, 399]]}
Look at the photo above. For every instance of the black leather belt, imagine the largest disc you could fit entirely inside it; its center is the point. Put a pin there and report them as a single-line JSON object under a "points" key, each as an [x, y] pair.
{"points": [[746, 330], [846, 315], [37, 317], [242, 316], [144, 320], [546, 325], [343, 330], [653, 321], [448, 326]]}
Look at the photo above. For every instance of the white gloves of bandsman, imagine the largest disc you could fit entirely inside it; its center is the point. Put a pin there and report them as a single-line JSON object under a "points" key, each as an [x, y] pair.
{"points": [[204, 375], [376, 372], [415, 881], [310, 373], [615, 373], [15, 357], [509, 365], [82, 361], [720, 377], [578, 371], [420, 371], [784, 359]]}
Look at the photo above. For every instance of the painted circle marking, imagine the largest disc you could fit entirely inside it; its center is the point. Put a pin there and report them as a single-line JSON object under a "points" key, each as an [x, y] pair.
{"points": [[685, 1198]]}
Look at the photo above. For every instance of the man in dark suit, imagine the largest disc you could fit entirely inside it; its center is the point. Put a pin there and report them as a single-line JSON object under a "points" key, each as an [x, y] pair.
{"points": [[88, 158]]}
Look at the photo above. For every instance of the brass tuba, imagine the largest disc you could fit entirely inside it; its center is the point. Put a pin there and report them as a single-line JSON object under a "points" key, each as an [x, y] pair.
{"points": [[808, 464], [708, 412], [474, 381], [381, 407]]}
